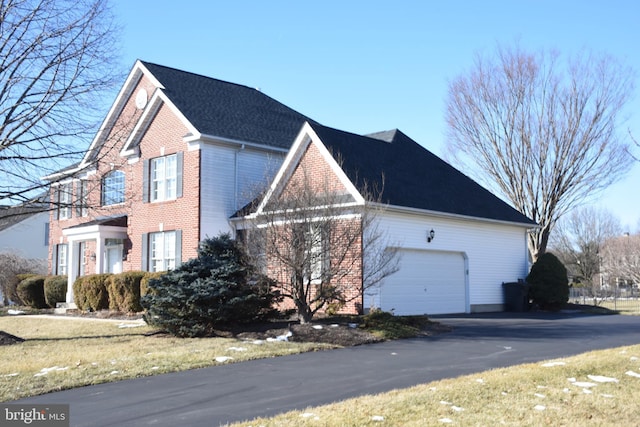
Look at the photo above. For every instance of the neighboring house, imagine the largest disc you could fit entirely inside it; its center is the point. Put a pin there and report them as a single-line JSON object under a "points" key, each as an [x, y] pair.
{"points": [[458, 242], [24, 230], [179, 154]]}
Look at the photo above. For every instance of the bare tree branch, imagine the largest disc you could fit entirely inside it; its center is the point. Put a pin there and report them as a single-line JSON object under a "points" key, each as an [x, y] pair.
{"points": [[543, 135], [57, 62]]}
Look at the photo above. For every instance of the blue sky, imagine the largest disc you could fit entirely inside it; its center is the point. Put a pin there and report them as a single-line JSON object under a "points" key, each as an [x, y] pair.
{"points": [[366, 66]]}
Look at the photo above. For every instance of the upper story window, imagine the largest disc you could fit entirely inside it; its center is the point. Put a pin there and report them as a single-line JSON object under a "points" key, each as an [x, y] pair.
{"points": [[64, 201], [163, 178], [82, 197], [113, 188]]}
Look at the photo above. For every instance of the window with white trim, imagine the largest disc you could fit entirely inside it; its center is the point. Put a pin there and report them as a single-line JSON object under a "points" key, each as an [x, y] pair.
{"points": [[113, 188], [163, 178], [162, 251], [317, 253], [64, 201], [61, 259]]}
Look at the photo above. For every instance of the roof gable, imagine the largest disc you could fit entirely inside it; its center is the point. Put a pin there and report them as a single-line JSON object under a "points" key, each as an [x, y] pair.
{"points": [[413, 177]]}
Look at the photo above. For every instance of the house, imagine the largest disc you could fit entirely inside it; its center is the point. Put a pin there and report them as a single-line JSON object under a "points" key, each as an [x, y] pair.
{"points": [[457, 242], [176, 156], [179, 154], [24, 230]]}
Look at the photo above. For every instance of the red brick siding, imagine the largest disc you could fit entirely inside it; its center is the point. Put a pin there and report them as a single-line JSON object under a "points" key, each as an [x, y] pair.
{"points": [[166, 131]]}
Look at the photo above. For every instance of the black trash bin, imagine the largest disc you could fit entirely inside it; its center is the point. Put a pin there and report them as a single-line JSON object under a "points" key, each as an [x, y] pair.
{"points": [[516, 296]]}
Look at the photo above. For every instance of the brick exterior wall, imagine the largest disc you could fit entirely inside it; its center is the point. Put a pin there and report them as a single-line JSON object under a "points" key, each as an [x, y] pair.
{"points": [[164, 136], [314, 173]]}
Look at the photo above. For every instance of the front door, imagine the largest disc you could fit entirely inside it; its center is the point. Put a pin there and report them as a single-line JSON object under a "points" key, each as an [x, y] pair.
{"points": [[114, 259]]}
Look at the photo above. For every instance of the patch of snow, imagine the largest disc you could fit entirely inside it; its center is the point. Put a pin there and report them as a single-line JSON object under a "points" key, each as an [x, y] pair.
{"points": [[540, 395], [318, 327], [633, 358], [307, 415], [394, 354], [14, 312], [586, 391], [257, 342], [155, 368], [222, 359], [433, 388], [444, 402], [130, 325], [571, 380], [506, 347], [584, 384], [445, 420], [353, 325], [608, 396], [504, 393], [542, 386], [45, 371], [457, 408], [284, 337], [237, 349], [480, 380], [334, 325], [550, 364], [566, 390], [377, 418], [632, 374], [539, 407], [601, 379], [115, 372], [15, 374]]}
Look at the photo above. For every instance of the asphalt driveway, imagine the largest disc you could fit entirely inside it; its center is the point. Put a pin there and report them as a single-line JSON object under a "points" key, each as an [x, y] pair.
{"points": [[222, 394]]}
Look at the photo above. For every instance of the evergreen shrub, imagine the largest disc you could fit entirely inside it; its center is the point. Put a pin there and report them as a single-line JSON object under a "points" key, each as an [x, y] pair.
{"points": [[55, 290], [124, 291], [91, 293], [549, 284], [216, 289], [31, 292]]}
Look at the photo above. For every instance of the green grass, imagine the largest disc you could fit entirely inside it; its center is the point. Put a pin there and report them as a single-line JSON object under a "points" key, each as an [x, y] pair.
{"points": [[65, 353], [537, 394]]}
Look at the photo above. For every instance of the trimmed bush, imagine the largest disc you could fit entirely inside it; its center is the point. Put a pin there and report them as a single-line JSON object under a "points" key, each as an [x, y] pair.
{"points": [[124, 291], [91, 293], [216, 289], [144, 283], [55, 290], [31, 292], [549, 282]]}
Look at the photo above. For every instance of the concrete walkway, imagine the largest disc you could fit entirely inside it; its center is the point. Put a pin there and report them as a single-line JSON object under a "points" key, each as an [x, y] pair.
{"points": [[218, 395]]}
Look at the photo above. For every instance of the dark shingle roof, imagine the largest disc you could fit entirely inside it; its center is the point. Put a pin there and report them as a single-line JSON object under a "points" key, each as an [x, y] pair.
{"points": [[413, 176], [229, 110]]}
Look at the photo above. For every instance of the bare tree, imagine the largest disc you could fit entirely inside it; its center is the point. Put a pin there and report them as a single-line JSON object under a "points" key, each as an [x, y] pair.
{"points": [[578, 240], [11, 265], [621, 257], [57, 61], [322, 249], [541, 132]]}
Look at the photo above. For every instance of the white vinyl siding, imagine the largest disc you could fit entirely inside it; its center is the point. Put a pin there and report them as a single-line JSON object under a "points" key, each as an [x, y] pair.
{"points": [[494, 252], [231, 178]]}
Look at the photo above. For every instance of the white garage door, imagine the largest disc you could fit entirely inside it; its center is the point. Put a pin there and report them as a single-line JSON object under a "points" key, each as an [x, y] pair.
{"points": [[428, 282]]}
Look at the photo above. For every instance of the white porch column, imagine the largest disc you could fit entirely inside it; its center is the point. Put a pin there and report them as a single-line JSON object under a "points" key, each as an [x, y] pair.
{"points": [[72, 268], [99, 254]]}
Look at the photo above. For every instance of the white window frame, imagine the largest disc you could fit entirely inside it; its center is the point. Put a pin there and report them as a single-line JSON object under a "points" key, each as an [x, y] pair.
{"points": [[164, 178], [113, 188], [64, 200], [162, 251], [62, 252]]}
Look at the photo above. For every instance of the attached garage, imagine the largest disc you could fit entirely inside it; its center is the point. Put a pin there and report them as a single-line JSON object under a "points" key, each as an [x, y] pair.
{"points": [[428, 282]]}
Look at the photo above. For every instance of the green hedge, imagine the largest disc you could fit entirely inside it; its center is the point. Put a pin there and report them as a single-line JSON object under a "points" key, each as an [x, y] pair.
{"points": [[91, 292], [31, 292], [55, 290], [124, 291]]}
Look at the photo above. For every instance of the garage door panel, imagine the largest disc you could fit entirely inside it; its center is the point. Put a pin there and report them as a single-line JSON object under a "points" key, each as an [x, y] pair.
{"points": [[428, 282]]}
